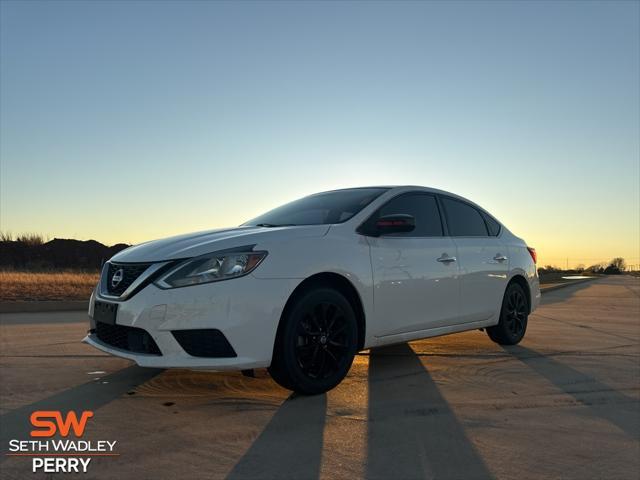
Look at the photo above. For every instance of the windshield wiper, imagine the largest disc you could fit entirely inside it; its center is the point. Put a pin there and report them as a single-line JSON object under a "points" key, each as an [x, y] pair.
{"points": [[271, 225]]}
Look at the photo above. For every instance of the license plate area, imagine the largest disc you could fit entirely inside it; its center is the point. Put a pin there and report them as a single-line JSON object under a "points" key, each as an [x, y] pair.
{"points": [[105, 312]]}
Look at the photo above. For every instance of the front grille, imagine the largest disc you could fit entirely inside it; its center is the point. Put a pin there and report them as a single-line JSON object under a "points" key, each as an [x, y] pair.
{"points": [[207, 342], [128, 274], [131, 339]]}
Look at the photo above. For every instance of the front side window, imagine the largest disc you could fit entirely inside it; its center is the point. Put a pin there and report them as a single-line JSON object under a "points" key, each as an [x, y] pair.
{"points": [[463, 220], [319, 209], [423, 207]]}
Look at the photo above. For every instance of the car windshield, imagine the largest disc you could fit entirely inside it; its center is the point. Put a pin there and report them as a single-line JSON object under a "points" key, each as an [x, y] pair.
{"points": [[322, 208]]}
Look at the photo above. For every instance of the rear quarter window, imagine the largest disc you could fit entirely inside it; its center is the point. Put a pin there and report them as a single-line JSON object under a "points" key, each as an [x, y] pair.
{"points": [[492, 225]]}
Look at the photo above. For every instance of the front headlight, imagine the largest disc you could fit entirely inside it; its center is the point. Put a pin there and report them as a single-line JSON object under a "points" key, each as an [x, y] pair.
{"points": [[212, 267]]}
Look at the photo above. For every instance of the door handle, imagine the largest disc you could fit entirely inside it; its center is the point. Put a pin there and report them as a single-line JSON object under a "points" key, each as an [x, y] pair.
{"points": [[446, 259], [499, 258]]}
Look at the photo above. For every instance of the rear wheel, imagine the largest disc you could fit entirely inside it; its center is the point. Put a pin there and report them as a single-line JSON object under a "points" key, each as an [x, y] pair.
{"points": [[316, 342], [513, 317]]}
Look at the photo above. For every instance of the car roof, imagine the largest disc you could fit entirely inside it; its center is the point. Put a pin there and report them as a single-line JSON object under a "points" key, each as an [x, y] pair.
{"points": [[395, 188]]}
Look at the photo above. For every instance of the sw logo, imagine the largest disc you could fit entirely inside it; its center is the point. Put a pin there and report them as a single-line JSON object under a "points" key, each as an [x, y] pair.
{"points": [[51, 422]]}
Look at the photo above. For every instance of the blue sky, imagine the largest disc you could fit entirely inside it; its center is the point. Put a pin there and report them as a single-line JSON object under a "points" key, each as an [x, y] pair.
{"points": [[125, 121]]}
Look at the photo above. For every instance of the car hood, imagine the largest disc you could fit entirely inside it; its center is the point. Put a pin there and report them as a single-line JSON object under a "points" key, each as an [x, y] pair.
{"points": [[200, 243]]}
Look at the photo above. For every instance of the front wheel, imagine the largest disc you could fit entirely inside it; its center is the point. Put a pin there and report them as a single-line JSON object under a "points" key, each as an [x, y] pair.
{"points": [[513, 317], [316, 343]]}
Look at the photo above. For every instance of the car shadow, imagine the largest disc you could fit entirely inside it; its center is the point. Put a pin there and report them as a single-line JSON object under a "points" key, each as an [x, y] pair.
{"points": [[290, 446], [603, 401], [412, 431]]}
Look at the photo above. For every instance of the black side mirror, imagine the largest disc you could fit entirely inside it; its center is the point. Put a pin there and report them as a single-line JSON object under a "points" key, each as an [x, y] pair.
{"points": [[395, 224]]}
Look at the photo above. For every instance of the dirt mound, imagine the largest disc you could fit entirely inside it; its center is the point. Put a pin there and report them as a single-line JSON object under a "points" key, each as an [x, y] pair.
{"points": [[59, 253]]}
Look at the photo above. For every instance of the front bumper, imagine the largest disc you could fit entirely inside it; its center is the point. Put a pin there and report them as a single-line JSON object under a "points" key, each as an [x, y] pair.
{"points": [[246, 310]]}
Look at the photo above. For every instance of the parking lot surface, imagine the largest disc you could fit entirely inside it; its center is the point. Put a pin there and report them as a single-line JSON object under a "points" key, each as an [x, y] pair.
{"points": [[565, 403]]}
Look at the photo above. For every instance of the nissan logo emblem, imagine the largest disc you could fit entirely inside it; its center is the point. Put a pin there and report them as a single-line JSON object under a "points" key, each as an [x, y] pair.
{"points": [[117, 278]]}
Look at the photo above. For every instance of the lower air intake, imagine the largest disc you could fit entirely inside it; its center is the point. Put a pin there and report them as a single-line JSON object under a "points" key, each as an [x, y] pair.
{"points": [[131, 339], [204, 343]]}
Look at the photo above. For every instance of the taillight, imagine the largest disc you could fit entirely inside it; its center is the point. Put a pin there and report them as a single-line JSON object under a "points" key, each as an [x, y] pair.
{"points": [[532, 252]]}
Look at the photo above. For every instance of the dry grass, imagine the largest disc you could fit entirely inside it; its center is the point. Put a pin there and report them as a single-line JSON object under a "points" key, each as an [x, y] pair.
{"points": [[23, 286], [32, 239]]}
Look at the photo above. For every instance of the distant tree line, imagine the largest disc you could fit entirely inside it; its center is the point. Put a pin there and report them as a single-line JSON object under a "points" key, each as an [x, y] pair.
{"points": [[615, 267], [32, 252]]}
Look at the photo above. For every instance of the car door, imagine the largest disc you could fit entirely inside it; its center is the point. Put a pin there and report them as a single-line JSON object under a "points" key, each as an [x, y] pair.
{"points": [[415, 274], [482, 259]]}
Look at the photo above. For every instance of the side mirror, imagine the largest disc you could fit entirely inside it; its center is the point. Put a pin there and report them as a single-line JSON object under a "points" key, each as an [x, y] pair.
{"points": [[395, 224]]}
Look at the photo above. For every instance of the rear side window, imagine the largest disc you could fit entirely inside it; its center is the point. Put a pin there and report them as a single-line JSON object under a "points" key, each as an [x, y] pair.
{"points": [[492, 225], [463, 220], [423, 207]]}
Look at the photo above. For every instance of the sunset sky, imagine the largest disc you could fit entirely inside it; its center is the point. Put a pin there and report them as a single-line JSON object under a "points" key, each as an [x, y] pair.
{"points": [[124, 122]]}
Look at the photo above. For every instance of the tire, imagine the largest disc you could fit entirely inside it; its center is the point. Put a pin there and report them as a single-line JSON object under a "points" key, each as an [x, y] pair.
{"points": [[513, 317], [316, 342]]}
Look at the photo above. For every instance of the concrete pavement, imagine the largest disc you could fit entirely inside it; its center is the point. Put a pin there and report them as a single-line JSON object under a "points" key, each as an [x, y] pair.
{"points": [[565, 403]]}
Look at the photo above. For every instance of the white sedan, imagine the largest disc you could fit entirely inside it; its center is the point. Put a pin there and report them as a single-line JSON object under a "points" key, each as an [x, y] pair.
{"points": [[305, 286]]}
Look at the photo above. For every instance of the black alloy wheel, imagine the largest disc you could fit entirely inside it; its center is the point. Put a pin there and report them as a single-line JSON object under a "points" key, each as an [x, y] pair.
{"points": [[322, 343], [513, 317], [516, 314], [316, 342]]}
